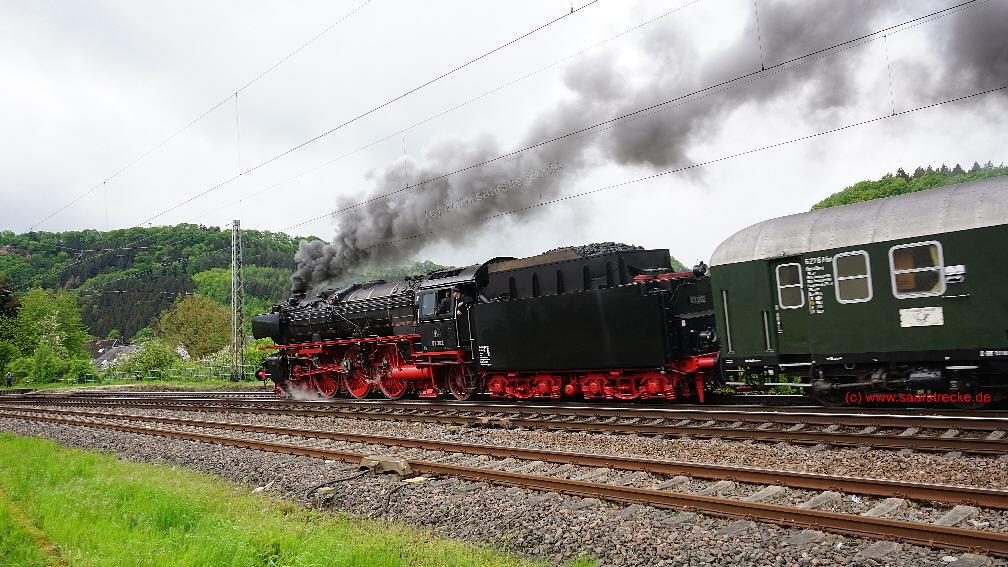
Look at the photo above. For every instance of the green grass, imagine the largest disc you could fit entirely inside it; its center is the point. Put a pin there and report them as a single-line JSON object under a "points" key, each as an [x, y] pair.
{"points": [[17, 546], [103, 512], [127, 384]]}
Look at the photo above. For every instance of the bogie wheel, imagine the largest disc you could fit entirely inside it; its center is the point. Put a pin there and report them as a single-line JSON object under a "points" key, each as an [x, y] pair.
{"points": [[974, 403], [327, 385], [461, 386], [834, 399]]}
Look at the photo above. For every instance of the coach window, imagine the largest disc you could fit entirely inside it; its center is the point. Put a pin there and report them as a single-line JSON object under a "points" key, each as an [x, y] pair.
{"points": [[917, 269], [535, 284], [852, 277], [789, 286], [586, 277], [560, 285], [512, 288]]}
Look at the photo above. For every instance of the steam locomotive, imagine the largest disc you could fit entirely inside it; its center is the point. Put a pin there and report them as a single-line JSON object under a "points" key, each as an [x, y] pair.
{"points": [[617, 325], [901, 294]]}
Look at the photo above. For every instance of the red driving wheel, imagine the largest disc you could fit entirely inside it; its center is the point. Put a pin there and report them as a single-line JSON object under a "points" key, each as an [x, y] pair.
{"points": [[459, 384], [327, 384]]}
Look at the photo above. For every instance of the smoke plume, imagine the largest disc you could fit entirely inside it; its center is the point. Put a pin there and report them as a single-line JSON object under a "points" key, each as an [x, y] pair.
{"points": [[970, 52]]}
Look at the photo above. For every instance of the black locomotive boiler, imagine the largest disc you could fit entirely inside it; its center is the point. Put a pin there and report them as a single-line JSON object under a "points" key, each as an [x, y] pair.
{"points": [[618, 325]]}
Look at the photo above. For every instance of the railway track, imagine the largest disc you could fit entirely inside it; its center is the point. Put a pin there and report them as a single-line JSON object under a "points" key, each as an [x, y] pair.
{"points": [[663, 494], [948, 432]]}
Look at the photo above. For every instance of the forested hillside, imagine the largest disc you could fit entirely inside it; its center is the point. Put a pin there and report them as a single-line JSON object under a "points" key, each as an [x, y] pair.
{"points": [[124, 279], [901, 182]]}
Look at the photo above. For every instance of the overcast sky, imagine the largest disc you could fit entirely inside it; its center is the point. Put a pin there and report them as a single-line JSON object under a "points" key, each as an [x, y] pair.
{"points": [[87, 88]]}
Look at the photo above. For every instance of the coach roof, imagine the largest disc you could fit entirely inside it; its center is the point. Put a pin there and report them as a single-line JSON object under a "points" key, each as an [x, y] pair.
{"points": [[944, 209]]}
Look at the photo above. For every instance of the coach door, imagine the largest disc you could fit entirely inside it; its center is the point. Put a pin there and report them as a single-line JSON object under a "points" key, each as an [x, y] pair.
{"points": [[791, 309]]}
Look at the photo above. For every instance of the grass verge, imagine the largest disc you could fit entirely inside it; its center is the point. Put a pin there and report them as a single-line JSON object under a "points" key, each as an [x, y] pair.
{"points": [[18, 545], [99, 511]]}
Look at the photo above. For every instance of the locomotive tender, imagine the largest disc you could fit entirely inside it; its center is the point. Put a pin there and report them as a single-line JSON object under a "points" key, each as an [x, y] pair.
{"points": [[621, 325], [901, 294]]}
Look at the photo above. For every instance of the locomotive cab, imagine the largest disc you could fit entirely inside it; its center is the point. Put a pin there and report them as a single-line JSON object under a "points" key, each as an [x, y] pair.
{"points": [[443, 322], [440, 326]]}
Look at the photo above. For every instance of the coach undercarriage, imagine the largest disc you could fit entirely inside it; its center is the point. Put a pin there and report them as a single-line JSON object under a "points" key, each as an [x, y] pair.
{"points": [[964, 385]]}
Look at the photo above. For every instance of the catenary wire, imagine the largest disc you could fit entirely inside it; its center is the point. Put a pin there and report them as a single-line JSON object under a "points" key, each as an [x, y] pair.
{"points": [[366, 113], [197, 119], [700, 93]]}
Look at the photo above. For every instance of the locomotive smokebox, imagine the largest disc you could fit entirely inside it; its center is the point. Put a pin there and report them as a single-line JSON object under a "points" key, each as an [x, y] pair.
{"points": [[266, 325]]}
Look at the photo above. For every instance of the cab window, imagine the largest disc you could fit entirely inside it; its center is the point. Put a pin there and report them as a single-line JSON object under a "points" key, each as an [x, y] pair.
{"points": [[789, 286], [428, 304], [917, 269], [852, 277]]}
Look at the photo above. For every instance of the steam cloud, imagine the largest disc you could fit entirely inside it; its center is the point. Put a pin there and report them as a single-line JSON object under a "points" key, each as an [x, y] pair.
{"points": [[971, 54]]}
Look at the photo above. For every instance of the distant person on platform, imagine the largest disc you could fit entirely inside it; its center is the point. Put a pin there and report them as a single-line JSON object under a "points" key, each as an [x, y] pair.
{"points": [[10, 379], [462, 302]]}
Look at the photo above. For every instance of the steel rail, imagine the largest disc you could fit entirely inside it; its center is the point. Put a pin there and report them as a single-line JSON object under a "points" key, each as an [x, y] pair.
{"points": [[782, 415], [854, 439], [980, 496], [860, 526]]}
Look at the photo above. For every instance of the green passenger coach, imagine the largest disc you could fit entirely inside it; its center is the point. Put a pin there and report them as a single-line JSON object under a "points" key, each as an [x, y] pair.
{"points": [[906, 293]]}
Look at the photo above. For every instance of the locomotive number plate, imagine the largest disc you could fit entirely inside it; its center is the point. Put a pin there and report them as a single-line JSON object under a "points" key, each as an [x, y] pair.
{"points": [[921, 317]]}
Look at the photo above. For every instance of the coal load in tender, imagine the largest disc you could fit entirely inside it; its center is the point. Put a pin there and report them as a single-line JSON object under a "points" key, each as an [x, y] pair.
{"points": [[597, 248]]}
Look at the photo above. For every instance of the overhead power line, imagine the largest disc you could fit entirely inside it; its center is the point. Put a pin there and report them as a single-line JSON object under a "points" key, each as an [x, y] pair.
{"points": [[676, 101], [197, 119], [369, 112]]}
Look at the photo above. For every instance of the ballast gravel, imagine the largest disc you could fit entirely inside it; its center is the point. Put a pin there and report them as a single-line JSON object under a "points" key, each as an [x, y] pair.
{"points": [[968, 470], [546, 526]]}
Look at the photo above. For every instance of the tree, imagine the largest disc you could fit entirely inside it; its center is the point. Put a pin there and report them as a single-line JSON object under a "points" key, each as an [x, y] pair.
{"points": [[153, 355], [9, 301], [8, 354], [201, 324], [50, 318]]}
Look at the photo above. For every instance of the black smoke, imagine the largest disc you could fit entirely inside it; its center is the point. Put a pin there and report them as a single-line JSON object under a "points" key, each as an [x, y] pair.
{"points": [[970, 51]]}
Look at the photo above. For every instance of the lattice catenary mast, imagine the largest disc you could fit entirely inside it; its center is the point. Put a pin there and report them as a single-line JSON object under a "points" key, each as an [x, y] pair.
{"points": [[237, 304]]}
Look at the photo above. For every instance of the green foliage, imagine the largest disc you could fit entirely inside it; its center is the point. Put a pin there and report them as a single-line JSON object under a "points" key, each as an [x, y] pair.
{"points": [[215, 284], [153, 355], [99, 511], [113, 335], [9, 300], [142, 335], [8, 354], [51, 319], [901, 182], [254, 356], [44, 366], [199, 323], [677, 265]]}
